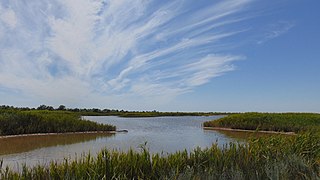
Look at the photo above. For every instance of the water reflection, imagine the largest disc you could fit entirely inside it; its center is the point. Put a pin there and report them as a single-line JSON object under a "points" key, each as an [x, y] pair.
{"points": [[242, 136], [162, 134], [21, 144]]}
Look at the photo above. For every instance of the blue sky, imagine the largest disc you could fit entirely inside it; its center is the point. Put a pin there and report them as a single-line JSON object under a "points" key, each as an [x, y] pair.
{"points": [[219, 55]]}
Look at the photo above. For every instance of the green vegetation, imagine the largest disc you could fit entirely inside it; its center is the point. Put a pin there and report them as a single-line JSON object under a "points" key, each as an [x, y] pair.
{"points": [[295, 157], [143, 113], [287, 122], [157, 114], [272, 157], [15, 122], [113, 112]]}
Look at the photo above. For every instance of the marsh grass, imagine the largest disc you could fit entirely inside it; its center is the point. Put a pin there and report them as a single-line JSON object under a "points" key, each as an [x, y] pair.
{"points": [[278, 157], [286, 122], [15, 122]]}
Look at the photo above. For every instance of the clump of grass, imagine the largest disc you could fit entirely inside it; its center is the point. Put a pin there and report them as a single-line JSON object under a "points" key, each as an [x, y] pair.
{"points": [[287, 122], [279, 157], [27, 122]]}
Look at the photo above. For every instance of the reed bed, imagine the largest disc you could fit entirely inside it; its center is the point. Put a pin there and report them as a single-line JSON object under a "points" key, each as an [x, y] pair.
{"points": [[286, 122], [278, 157], [14, 122]]}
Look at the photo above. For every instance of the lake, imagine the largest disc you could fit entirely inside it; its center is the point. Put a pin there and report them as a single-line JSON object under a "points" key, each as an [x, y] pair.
{"points": [[161, 134]]}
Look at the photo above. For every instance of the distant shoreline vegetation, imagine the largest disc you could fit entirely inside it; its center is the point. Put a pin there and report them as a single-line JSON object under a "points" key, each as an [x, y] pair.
{"points": [[114, 112], [279, 122], [46, 119], [17, 121]]}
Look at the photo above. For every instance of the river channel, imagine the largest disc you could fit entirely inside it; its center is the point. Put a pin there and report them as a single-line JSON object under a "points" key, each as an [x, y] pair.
{"points": [[160, 134]]}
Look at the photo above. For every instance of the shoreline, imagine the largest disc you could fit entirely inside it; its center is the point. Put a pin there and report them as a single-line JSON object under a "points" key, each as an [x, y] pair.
{"points": [[66, 133], [246, 130]]}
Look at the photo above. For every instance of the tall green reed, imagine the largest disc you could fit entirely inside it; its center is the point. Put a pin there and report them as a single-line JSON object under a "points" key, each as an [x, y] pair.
{"points": [[278, 157]]}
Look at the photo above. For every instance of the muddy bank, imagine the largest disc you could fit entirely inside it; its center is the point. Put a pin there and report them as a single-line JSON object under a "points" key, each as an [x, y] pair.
{"points": [[66, 133]]}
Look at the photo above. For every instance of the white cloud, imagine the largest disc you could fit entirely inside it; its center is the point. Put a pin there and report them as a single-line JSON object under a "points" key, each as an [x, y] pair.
{"points": [[275, 30], [182, 79], [109, 50], [9, 18], [209, 67]]}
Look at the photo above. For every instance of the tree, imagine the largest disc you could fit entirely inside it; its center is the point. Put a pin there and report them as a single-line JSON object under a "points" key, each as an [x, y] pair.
{"points": [[44, 107], [62, 108]]}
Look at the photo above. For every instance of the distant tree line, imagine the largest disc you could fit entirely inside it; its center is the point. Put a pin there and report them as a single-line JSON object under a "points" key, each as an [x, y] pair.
{"points": [[63, 108], [113, 112]]}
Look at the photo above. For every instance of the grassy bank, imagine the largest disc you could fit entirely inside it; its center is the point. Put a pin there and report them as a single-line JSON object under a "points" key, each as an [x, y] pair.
{"points": [[286, 122], [14, 122], [296, 157]]}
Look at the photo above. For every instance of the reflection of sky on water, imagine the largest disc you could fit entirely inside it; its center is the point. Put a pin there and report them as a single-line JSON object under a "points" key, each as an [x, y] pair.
{"points": [[162, 134], [167, 134]]}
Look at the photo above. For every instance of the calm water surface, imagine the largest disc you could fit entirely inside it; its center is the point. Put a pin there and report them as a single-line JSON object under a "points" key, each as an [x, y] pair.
{"points": [[162, 134]]}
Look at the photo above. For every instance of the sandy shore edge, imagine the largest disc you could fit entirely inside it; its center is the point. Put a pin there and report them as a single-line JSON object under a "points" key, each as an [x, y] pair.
{"points": [[244, 130], [66, 133]]}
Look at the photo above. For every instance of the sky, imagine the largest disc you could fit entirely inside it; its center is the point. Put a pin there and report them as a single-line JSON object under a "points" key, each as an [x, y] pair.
{"points": [[183, 55]]}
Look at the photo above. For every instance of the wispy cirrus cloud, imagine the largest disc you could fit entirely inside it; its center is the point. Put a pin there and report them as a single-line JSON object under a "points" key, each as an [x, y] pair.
{"points": [[275, 30], [65, 51]]}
